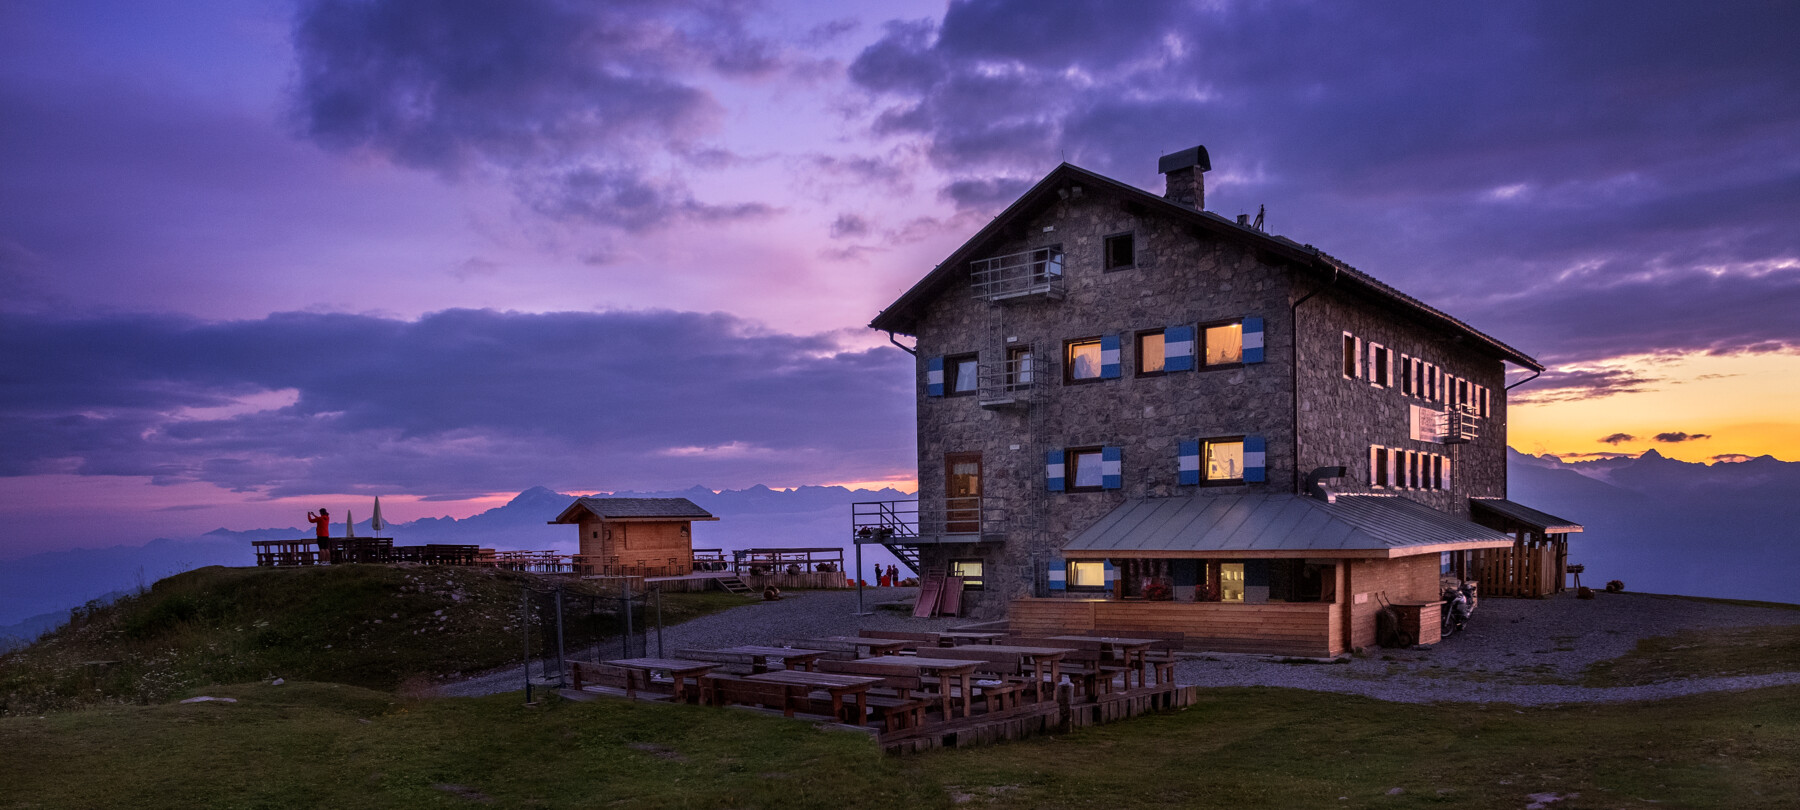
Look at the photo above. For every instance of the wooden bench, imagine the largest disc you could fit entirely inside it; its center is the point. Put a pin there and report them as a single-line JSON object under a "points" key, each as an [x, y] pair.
{"points": [[1088, 668], [724, 690], [592, 677], [920, 639], [1161, 655], [1012, 677]]}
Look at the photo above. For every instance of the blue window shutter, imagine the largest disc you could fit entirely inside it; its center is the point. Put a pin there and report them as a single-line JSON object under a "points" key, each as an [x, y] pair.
{"points": [[1112, 574], [1178, 348], [1053, 470], [934, 376], [1187, 462], [1109, 357], [1253, 340], [1254, 454], [1112, 472], [1059, 574]]}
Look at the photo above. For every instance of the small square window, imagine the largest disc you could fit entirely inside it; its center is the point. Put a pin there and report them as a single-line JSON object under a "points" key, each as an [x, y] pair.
{"points": [[1222, 344], [1121, 251], [1152, 353], [1082, 466], [960, 374], [1352, 356], [1081, 360], [1378, 477], [970, 571], [1223, 461], [1086, 574]]}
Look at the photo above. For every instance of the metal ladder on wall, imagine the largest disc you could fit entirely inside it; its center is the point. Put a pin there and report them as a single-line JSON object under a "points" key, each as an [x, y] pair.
{"points": [[1031, 517]]}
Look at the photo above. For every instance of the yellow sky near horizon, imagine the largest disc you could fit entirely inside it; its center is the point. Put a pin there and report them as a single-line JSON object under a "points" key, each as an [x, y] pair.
{"points": [[1743, 403]]}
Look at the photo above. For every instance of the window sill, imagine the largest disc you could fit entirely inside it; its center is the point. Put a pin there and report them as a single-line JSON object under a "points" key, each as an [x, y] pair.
{"points": [[1220, 366]]}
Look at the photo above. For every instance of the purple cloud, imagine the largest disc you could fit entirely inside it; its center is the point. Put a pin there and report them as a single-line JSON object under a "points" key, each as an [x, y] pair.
{"points": [[1557, 207], [570, 99], [457, 403], [1677, 437], [1618, 438]]}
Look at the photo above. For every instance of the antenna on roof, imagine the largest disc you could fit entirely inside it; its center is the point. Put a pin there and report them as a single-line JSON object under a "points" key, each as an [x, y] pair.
{"points": [[1260, 210]]}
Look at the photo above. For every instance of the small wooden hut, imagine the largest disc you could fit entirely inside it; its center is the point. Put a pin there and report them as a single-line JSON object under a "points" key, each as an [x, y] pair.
{"points": [[638, 537], [1537, 563]]}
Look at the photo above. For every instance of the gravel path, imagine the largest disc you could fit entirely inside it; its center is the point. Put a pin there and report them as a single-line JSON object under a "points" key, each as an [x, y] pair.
{"points": [[1516, 651]]}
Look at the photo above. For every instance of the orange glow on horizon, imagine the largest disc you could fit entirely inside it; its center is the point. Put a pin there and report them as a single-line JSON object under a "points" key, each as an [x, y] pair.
{"points": [[1741, 404]]}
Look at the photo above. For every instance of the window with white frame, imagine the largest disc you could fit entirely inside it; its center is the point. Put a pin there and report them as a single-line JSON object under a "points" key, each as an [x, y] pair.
{"points": [[1353, 368]]}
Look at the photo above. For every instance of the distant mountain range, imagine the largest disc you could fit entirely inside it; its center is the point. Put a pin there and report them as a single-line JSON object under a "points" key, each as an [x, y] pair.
{"points": [[1728, 529], [55, 581]]}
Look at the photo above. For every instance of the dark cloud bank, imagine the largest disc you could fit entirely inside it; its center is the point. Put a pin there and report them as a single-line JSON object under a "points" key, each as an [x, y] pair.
{"points": [[572, 102], [455, 404], [1584, 180]]}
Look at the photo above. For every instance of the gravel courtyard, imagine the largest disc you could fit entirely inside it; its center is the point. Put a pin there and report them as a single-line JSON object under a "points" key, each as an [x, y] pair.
{"points": [[1518, 651]]}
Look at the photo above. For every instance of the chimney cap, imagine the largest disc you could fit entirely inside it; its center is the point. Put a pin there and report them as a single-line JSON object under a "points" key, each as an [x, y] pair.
{"points": [[1176, 161]]}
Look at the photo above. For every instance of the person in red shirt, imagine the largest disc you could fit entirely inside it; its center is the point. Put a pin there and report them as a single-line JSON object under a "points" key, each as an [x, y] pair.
{"points": [[322, 520]]}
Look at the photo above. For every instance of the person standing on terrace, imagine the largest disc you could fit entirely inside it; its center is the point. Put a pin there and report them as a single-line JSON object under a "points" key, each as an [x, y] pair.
{"points": [[322, 521]]}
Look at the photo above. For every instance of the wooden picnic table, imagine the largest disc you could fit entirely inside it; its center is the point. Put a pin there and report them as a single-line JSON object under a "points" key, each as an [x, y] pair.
{"points": [[758, 656], [875, 646], [679, 671], [1037, 657], [972, 637], [943, 669], [837, 685], [1129, 650]]}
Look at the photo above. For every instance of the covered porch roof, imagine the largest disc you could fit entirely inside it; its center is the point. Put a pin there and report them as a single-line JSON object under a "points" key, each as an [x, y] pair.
{"points": [[1278, 525], [1507, 511]]}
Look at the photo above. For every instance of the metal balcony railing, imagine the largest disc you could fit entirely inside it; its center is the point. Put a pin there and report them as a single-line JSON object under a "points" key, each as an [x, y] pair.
{"points": [[1033, 272], [1011, 382], [904, 522]]}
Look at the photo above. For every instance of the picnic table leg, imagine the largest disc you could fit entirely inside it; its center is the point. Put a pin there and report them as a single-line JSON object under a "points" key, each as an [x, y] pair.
{"points": [[968, 699], [1055, 677], [862, 705], [944, 688]]}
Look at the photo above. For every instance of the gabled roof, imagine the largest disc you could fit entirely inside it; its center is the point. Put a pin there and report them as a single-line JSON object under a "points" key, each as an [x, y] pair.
{"points": [[902, 316], [1543, 522], [1278, 524], [633, 509]]}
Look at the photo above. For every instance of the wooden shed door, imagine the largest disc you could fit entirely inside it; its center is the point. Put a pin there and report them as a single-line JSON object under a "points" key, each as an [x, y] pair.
{"points": [[962, 493]]}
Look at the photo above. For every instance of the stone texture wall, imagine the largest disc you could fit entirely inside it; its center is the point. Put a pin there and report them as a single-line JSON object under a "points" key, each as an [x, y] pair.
{"points": [[1181, 277], [1341, 418]]}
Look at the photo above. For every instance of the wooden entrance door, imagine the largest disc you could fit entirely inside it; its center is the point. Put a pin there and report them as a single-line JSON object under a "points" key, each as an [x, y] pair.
{"points": [[962, 493]]}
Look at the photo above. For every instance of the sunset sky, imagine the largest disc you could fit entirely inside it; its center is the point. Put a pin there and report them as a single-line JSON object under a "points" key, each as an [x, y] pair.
{"points": [[261, 256]]}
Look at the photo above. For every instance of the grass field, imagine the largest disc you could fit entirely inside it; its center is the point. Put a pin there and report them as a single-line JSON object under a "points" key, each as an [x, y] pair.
{"points": [[1697, 653], [324, 745], [376, 626]]}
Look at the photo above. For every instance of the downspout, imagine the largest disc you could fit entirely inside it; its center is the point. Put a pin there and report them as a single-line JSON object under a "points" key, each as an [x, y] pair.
{"points": [[914, 352], [1534, 375], [1294, 327]]}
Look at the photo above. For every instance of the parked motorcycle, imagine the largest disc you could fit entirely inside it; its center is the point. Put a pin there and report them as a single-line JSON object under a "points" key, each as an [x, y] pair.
{"points": [[1459, 605]]}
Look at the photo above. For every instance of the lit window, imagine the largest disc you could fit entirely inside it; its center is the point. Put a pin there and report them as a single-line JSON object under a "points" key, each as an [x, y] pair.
{"points": [[961, 373], [1231, 582], [1151, 352], [1225, 460], [1224, 344], [1121, 251], [1087, 574], [970, 571], [1082, 360], [1083, 468]]}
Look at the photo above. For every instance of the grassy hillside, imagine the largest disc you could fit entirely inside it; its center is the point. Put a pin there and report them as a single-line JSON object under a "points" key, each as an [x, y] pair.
{"points": [[322, 745], [364, 625]]}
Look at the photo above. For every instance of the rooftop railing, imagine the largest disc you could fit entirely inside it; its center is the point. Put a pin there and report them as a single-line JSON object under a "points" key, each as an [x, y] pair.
{"points": [[1033, 272], [1013, 381]]}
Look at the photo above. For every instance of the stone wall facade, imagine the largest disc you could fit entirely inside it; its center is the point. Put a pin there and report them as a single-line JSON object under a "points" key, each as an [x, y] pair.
{"points": [[1182, 276], [1179, 277]]}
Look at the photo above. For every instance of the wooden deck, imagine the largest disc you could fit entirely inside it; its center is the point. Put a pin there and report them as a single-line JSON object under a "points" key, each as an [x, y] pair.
{"points": [[1310, 629]]}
